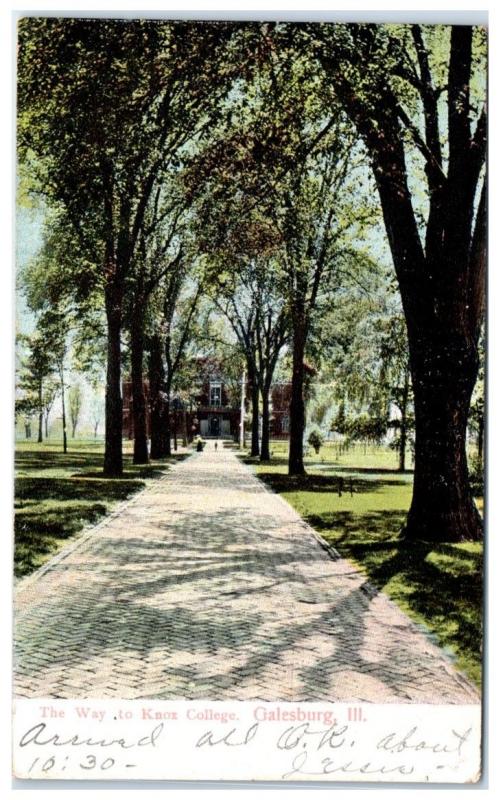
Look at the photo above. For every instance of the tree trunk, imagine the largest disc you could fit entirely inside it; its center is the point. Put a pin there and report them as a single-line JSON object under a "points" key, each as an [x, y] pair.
{"points": [[442, 297], [480, 439], [156, 383], [297, 410], [403, 424], [185, 433], [255, 450], [402, 446], [96, 429], [140, 446], [27, 430], [444, 371], [112, 466], [63, 408], [74, 428], [166, 424], [41, 413], [441, 276], [264, 450], [46, 425], [175, 440]]}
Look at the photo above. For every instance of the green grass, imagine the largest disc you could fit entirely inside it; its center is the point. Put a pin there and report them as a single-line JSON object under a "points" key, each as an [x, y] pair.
{"points": [[57, 494], [437, 585]]}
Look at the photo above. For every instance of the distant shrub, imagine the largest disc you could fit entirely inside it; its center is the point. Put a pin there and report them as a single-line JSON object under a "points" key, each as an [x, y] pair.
{"points": [[316, 440], [476, 475]]}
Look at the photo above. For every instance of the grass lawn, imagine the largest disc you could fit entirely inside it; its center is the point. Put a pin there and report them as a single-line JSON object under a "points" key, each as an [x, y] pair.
{"points": [[439, 586], [56, 495]]}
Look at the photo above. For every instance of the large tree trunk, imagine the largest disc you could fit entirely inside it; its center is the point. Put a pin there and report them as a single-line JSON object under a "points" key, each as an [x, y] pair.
{"points": [[140, 447], [156, 384], [440, 275], [112, 466], [264, 449], [297, 409], [443, 372], [442, 296], [255, 400]]}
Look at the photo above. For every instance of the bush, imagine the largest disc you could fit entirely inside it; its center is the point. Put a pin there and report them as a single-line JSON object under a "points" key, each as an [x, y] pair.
{"points": [[316, 440], [476, 474]]}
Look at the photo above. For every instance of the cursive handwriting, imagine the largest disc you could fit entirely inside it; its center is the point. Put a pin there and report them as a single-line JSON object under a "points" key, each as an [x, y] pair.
{"points": [[394, 743], [328, 766], [300, 734], [229, 738], [37, 735]]}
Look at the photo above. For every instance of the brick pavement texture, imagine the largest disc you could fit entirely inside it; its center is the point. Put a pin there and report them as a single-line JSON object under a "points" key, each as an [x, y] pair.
{"points": [[206, 585]]}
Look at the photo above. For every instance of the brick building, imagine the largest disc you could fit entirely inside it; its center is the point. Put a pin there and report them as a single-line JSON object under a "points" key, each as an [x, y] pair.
{"points": [[214, 410]]}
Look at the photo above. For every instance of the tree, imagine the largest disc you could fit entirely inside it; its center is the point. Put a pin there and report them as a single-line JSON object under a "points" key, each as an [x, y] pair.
{"points": [[75, 406], [243, 320], [312, 230], [97, 408], [53, 326], [423, 88], [394, 379], [49, 396], [265, 170], [159, 259], [315, 439], [105, 108], [35, 382], [181, 328], [256, 310], [339, 421], [175, 325]]}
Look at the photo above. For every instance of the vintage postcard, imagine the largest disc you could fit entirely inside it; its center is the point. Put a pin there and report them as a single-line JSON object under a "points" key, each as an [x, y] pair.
{"points": [[250, 369]]}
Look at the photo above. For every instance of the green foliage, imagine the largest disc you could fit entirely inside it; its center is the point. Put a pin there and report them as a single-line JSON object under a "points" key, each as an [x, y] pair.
{"points": [[44, 352], [477, 474], [74, 405], [366, 428], [339, 421], [315, 439]]}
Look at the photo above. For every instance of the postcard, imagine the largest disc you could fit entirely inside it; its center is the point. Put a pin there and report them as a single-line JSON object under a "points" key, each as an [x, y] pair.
{"points": [[250, 409]]}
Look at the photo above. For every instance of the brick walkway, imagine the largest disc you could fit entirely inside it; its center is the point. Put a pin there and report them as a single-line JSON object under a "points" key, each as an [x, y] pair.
{"points": [[206, 585]]}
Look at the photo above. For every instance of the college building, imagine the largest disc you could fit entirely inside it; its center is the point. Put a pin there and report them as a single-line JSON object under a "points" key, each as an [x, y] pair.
{"points": [[214, 409]]}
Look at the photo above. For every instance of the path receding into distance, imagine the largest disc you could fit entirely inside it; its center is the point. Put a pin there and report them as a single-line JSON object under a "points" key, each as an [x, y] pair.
{"points": [[206, 585]]}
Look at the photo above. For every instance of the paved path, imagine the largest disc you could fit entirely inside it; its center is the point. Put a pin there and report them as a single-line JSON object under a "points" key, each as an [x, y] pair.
{"points": [[207, 585]]}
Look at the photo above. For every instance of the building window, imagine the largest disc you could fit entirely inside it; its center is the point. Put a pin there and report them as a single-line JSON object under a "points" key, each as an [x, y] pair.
{"points": [[215, 394]]}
